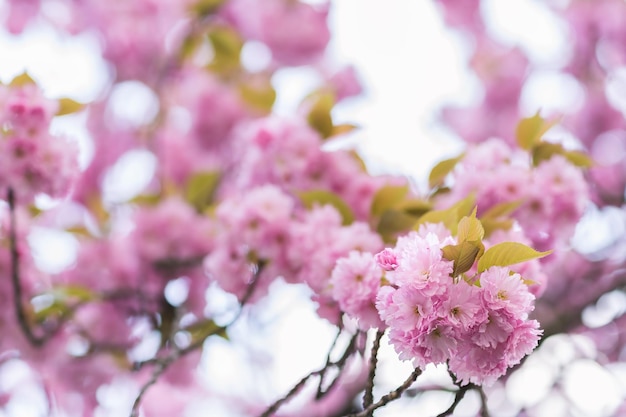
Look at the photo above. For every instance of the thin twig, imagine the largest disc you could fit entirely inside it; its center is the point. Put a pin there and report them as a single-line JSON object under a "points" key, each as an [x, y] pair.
{"points": [[339, 363], [368, 397], [320, 391], [32, 338], [459, 395], [393, 395], [162, 364]]}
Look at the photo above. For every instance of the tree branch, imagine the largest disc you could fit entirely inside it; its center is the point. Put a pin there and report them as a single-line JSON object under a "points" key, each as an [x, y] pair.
{"points": [[320, 372], [393, 395], [20, 312], [162, 364], [368, 397]]}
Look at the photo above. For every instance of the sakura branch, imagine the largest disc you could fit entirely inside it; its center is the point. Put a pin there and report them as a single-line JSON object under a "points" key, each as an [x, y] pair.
{"points": [[391, 396], [348, 352]]}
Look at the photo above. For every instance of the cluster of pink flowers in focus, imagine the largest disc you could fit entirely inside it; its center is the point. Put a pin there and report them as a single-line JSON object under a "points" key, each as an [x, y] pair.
{"points": [[479, 325]]}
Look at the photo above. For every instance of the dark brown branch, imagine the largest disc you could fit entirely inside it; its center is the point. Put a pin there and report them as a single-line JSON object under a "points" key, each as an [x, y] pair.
{"points": [[320, 372], [459, 395], [393, 395], [368, 397], [163, 364], [320, 391], [20, 312]]}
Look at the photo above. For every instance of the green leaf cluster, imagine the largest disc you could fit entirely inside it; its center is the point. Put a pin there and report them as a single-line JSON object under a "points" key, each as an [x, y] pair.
{"points": [[529, 133], [314, 198], [470, 248], [393, 211]]}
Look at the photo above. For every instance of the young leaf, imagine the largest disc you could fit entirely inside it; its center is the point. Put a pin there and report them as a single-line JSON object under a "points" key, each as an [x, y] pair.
{"points": [[319, 116], [342, 129], [508, 253], [21, 80], [68, 106], [546, 150], [441, 170], [501, 209], [449, 217], [393, 222], [258, 93], [580, 159], [530, 130], [388, 197], [470, 228], [463, 255], [227, 45], [201, 188], [322, 197], [415, 207]]}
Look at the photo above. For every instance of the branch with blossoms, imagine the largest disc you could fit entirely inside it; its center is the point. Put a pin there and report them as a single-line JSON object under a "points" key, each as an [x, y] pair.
{"points": [[242, 200]]}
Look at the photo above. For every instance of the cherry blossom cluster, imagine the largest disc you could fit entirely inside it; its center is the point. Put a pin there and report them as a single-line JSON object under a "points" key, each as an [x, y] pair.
{"points": [[477, 324], [31, 160], [554, 192], [242, 199]]}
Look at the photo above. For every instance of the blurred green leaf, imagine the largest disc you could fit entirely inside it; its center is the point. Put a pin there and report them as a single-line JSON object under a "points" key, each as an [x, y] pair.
{"points": [[323, 197], [449, 217], [201, 188], [530, 130], [258, 93], [441, 170], [68, 106], [393, 222], [319, 117], [388, 197], [206, 7], [227, 45], [580, 159], [21, 80]]}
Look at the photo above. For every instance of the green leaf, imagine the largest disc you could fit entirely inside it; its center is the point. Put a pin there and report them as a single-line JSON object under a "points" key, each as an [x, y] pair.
{"points": [[205, 328], [546, 150], [415, 207], [206, 7], [502, 209], [323, 197], [393, 222], [201, 188], [227, 45], [342, 129], [441, 170], [463, 255], [21, 80], [449, 217], [508, 253], [74, 292], [530, 130], [580, 159], [470, 228], [491, 225], [388, 197], [68, 106], [319, 117], [258, 93], [147, 199]]}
